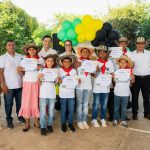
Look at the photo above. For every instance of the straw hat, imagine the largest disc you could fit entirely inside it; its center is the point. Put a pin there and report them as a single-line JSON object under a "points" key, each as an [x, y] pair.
{"points": [[72, 57], [101, 48], [123, 39], [31, 45], [79, 50], [54, 56], [140, 40], [124, 57]]}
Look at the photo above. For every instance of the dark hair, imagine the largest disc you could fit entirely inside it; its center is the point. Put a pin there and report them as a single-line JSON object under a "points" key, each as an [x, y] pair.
{"points": [[71, 44], [46, 36], [66, 58], [85, 48], [9, 41]]}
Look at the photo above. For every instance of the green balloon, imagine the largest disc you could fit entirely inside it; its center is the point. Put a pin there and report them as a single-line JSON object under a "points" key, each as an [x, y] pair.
{"points": [[76, 21], [66, 25], [71, 34], [74, 42], [61, 34]]}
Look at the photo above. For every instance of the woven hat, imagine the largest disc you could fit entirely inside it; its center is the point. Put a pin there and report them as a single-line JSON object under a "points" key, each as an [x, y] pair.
{"points": [[124, 57], [79, 50], [31, 45], [72, 57], [123, 39], [140, 40], [101, 48]]}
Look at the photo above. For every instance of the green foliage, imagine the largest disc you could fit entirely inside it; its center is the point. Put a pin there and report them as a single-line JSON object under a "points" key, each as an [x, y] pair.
{"points": [[15, 24]]}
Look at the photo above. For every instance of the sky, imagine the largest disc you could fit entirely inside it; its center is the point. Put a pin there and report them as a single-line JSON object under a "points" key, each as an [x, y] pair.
{"points": [[44, 10]]}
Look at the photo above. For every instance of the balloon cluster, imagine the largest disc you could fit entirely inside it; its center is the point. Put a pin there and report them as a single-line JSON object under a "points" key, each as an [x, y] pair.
{"points": [[106, 36], [79, 31]]}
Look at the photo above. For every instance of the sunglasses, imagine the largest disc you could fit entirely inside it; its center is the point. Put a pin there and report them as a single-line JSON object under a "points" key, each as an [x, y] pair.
{"points": [[67, 44]]}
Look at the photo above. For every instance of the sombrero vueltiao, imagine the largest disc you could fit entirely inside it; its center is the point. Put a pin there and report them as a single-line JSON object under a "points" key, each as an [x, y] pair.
{"points": [[31, 45], [79, 49], [123, 39], [124, 57], [72, 57], [101, 48]]}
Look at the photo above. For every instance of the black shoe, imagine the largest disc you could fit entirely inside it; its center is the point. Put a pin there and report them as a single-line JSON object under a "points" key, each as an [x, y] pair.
{"points": [[63, 128], [43, 131], [49, 129], [128, 119], [10, 125], [21, 120], [135, 117], [147, 116], [26, 129], [110, 119], [71, 127]]}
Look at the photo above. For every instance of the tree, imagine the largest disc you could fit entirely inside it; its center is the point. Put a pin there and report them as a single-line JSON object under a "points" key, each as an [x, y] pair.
{"points": [[15, 24]]}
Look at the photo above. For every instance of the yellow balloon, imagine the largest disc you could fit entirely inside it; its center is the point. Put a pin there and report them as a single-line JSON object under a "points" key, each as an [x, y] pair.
{"points": [[63, 44], [79, 28], [87, 19], [81, 39], [60, 43], [90, 36], [97, 24]]}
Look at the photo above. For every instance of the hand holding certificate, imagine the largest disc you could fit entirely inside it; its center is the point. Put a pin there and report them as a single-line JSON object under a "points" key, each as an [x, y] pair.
{"points": [[122, 74], [29, 64], [116, 52], [70, 82], [104, 80], [50, 75], [89, 66]]}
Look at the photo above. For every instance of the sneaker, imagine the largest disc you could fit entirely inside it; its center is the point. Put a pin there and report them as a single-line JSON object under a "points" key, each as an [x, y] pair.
{"points": [[115, 123], [104, 124], [63, 128], [43, 131], [21, 120], [86, 125], [10, 125], [80, 125], [124, 124], [71, 127], [49, 129], [95, 123]]}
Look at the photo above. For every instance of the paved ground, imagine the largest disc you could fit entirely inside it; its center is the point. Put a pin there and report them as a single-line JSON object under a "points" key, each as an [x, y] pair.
{"points": [[136, 137]]}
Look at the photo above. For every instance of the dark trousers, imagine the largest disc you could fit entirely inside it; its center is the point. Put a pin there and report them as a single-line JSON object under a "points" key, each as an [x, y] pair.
{"points": [[141, 83], [8, 99]]}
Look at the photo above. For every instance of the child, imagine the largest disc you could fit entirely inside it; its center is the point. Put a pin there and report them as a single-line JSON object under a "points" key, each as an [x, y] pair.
{"points": [[67, 96], [47, 96], [122, 91], [101, 93], [30, 94], [84, 89]]}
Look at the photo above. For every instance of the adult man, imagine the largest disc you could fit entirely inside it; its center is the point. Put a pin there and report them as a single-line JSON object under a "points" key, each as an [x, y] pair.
{"points": [[46, 50], [11, 81], [141, 70]]}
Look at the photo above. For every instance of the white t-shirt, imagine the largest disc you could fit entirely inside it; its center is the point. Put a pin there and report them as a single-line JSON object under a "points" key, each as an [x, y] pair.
{"points": [[66, 54], [85, 80], [9, 63], [31, 76], [141, 63], [47, 90], [63, 92], [122, 88], [103, 89], [44, 53]]}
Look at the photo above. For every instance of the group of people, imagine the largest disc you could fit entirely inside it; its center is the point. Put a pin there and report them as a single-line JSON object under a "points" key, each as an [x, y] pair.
{"points": [[35, 97]]}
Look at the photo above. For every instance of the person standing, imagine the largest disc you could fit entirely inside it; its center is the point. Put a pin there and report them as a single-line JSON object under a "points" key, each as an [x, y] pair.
{"points": [[141, 70], [11, 81]]}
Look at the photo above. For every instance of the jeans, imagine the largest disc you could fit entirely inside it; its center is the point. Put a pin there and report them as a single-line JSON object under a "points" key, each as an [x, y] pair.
{"points": [[70, 102], [44, 102], [99, 98], [82, 104], [8, 100], [123, 102]]}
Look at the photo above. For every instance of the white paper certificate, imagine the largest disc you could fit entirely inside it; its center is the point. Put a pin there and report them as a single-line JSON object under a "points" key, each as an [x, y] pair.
{"points": [[89, 66], [70, 82], [29, 64], [104, 80], [116, 52], [49, 74], [122, 74]]}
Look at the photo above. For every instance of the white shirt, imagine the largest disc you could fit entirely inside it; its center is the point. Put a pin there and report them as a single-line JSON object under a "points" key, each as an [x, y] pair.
{"points": [[66, 54], [9, 63], [141, 63], [122, 88], [47, 90], [85, 80], [104, 89], [31, 76], [63, 92], [44, 53]]}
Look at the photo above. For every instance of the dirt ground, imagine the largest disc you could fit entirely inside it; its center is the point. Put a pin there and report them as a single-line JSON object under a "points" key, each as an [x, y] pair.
{"points": [[136, 137]]}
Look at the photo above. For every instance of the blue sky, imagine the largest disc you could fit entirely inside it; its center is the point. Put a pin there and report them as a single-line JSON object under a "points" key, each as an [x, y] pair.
{"points": [[44, 10]]}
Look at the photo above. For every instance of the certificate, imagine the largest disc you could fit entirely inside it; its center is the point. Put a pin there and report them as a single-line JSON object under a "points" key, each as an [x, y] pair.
{"points": [[49, 74], [122, 74], [103, 80], [70, 82], [89, 66], [116, 52], [29, 64]]}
